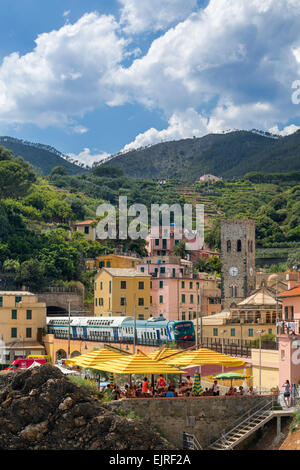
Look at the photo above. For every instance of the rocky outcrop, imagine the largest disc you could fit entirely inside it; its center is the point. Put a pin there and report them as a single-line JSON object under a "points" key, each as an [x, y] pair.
{"points": [[42, 409]]}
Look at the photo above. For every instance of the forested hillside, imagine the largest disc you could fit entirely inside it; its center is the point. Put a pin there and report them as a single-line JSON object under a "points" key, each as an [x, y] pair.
{"points": [[226, 155], [42, 157], [36, 214]]}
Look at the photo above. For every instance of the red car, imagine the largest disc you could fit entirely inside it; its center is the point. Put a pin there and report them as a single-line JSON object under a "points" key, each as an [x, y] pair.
{"points": [[25, 363]]}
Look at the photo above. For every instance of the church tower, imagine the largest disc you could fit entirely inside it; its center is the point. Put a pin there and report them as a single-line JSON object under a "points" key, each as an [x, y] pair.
{"points": [[238, 260]]}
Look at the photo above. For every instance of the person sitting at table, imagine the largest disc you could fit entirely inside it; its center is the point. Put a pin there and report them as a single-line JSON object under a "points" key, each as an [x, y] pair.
{"points": [[161, 383], [127, 392], [170, 393], [215, 389], [172, 385], [138, 391], [188, 383], [178, 389]]}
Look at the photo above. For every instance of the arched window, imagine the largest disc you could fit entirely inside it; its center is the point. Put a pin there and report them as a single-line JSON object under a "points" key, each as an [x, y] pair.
{"points": [[233, 291], [239, 245], [228, 246], [251, 247]]}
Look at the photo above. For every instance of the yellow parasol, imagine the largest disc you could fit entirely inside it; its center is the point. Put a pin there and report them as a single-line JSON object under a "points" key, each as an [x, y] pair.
{"points": [[136, 364], [90, 359], [203, 356], [161, 354]]}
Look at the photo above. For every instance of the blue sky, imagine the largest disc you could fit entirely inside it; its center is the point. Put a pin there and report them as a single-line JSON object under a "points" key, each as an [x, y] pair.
{"points": [[101, 76]]}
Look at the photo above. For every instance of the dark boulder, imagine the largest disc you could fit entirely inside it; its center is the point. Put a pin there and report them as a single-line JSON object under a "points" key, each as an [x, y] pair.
{"points": [[41, 409]]}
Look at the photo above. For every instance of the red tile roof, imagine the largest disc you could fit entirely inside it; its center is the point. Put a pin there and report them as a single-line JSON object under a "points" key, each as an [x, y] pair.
{"points": [[291, 292], [86, 222]]}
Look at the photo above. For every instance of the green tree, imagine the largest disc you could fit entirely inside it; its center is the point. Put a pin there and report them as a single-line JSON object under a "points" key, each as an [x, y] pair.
{"points": [[200, 265], [213, 264], [293, 261], [31, 274], [180, 250], [16, 177], [11, 265], [57, 171], [213, 235], [110, 171]]}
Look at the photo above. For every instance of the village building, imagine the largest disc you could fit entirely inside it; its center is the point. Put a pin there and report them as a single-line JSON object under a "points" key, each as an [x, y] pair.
{"points": [[209, 178], [168, 238], [254, 316], [22, 320], [122, 292], [177, 293], [87, 228], [289, 336], [113, 260]]}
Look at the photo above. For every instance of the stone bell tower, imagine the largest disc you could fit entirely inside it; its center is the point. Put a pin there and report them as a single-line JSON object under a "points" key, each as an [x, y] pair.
{"points": [[238, 260]]}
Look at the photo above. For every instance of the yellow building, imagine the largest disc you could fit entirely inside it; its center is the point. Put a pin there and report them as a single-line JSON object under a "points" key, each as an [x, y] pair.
{"points": [[22, 319], [252, 317], [116, 261], [116, 289], [265, 365], [87, 228]]}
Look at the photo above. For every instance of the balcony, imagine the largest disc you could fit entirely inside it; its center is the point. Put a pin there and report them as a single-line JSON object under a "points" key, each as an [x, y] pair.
{"points": [[288, 327]]}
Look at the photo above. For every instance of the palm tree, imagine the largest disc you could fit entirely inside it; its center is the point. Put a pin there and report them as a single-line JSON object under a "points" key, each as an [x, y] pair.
{"points": [[180, 250]]}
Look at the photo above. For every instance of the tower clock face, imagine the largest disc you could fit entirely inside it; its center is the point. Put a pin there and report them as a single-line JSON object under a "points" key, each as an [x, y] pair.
{"points": [[251, 271], [233, 271]]}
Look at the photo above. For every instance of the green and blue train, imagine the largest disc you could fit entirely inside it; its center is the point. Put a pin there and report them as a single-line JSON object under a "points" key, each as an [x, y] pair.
{"points": [[121, 329]]}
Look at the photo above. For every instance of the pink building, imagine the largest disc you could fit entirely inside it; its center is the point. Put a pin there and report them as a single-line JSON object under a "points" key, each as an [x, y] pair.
{"points": [[177, 293], [163, 243], [289, 336]]}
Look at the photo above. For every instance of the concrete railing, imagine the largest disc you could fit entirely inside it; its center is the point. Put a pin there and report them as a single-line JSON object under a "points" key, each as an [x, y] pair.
{"points": [[223, 389]]}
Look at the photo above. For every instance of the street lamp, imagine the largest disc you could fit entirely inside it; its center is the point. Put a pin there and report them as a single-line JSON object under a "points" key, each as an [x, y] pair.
{"points": [[223, 333], [260, 332], [197, 320], [134, 325], [69, 328]]}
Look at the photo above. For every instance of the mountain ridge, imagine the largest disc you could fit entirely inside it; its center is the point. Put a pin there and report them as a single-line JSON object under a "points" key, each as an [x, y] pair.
{"points": [[231, 154], [44, 157]]}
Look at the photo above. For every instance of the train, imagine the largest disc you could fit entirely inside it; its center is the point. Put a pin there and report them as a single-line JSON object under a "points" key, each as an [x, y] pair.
{"points": [[121, 329]]}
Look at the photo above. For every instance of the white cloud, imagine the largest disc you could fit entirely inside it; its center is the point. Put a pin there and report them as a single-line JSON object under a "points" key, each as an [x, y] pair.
{"points": [[288, 130], [228, 62], [80, 129], [64, 75], [144, 15], [66, 13], [181, 125], [189, 123], [87, 157], [229, 65]]}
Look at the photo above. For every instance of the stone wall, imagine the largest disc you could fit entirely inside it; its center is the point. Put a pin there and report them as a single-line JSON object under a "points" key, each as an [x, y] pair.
{"points": [[204, 417], [61, 300]]}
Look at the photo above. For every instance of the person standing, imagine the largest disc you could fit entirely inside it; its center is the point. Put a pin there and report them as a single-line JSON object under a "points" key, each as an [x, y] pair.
{"points": [[145, 387], [287, 393], [293, 395]]}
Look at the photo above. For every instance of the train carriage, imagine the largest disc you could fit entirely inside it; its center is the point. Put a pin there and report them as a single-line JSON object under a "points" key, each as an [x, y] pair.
{"points": [[121, 329]]}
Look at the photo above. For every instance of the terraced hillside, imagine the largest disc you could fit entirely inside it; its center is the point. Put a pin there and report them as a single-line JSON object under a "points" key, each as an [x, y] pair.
{"points": [[192, 196]]}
